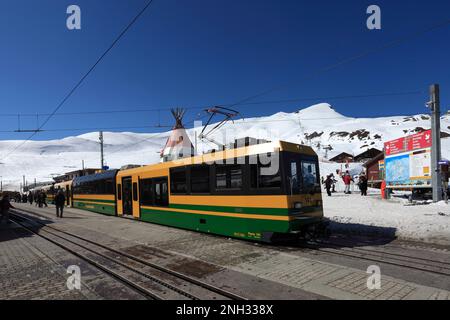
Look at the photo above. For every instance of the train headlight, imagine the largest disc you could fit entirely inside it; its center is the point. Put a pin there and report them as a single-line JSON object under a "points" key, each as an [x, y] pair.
{"points": [[297, 205]]}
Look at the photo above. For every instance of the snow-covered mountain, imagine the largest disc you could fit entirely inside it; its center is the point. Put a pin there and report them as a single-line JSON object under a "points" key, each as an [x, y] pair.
{"points": [[319, 126]]}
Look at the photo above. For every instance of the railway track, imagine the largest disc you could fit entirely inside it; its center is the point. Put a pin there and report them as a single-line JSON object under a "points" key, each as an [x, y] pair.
{"points": [[151, 280], [345, 249], [348, 249]]}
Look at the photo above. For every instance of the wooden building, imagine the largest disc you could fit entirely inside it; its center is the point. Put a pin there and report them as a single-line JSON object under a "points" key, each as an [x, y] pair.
{"points": [[375, 170], [342, 157], [367, 155]]}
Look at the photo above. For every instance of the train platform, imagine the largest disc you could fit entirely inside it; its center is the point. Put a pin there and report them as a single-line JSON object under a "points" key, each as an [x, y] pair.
{"points": [[251, 270], [27, 271]]}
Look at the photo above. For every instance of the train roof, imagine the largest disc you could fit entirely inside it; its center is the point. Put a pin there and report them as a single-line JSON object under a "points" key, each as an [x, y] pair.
{"points": [[226, 154], [41, 187], [95, 177], [63, 183]]}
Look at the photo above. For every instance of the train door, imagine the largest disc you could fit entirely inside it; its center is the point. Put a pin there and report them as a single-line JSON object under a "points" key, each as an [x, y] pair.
{"points": [[127, 196]]}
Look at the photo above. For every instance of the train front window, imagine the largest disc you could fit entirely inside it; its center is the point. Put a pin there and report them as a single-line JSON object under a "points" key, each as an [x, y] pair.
{"points": [[309, 175], [294, 179]]}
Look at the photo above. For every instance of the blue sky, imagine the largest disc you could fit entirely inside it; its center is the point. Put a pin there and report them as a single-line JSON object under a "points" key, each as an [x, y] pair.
{"points": [[200, 53]]}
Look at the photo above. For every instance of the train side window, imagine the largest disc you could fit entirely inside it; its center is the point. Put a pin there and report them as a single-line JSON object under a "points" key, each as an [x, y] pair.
{"points": [[146, 188], [161, 192], [119, 192], [221, 177], [228, 177], [135, 191], [178, 181], [200, 179], [258, 180]]}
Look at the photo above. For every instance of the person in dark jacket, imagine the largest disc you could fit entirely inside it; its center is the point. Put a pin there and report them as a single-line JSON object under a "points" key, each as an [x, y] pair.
{"points": [[40, 199], [363, 185], [60, 200], [328, 183], [44, 198], [30, 197], [5, 205]]}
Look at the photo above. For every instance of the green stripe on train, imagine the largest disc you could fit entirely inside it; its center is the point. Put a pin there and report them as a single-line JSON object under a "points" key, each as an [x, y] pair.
{"points": [[228, 226], [95, 200], [105, 209]]}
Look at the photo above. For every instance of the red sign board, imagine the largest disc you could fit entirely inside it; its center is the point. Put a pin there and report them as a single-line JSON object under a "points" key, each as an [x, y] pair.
{"points": [[419, 141], [394, 146], [414, 142]]}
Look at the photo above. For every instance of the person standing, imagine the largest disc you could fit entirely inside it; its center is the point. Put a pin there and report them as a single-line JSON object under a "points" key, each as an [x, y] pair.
{"points": [[347, 181], [44, 199], [5, 205], [333, 183], [60, 200], [328, 183], [363, 185], [30, 198], [40, 198]]}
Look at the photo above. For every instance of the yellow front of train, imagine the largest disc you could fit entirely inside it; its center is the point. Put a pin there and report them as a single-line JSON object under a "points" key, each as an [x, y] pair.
{"points": [[301, 173]]}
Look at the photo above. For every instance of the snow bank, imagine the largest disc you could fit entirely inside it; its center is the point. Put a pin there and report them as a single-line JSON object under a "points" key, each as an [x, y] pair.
{"points": [[372, 215]]}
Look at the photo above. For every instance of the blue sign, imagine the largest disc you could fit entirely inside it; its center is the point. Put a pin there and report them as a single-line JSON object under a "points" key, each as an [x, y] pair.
{"points": [[397, 169]]}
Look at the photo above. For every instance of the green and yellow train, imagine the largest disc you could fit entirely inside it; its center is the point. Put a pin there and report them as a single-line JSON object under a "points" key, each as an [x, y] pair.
{"points": [[262, 192]]}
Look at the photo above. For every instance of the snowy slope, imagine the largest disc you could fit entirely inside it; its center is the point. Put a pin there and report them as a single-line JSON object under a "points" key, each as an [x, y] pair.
{"points": [[319, 125]]}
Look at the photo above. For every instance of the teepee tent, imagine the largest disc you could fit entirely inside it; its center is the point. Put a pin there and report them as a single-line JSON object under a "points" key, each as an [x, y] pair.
{"points": [[178, 145]]}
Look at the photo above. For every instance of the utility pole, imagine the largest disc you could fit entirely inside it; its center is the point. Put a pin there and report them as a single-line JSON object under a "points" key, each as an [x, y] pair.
{"points": [[436, 180], [1, 184], [23, 185], [100, 137]]}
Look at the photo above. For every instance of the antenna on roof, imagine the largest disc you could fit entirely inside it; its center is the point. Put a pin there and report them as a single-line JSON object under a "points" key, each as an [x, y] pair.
{"points": [[228, 114]]}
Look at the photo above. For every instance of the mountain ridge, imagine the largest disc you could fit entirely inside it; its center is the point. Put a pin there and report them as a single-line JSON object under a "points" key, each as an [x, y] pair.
{"points": [[319, 126]]}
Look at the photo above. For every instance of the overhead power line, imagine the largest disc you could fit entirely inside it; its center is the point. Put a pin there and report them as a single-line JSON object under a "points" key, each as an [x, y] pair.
{"points": [[144, 110], [192, 121], [77, 85]]}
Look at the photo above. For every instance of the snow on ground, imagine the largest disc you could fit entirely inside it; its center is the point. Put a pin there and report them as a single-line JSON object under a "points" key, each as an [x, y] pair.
{"points": [[372, 215]]}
